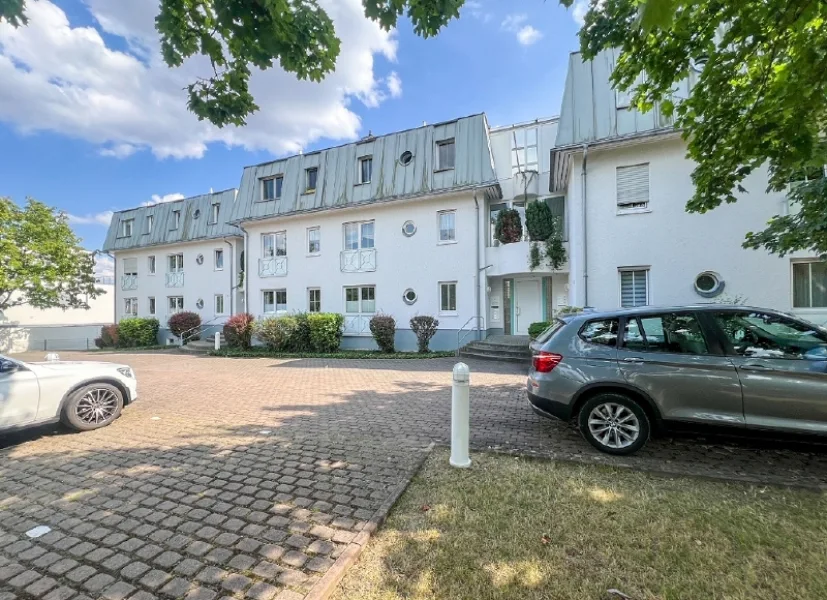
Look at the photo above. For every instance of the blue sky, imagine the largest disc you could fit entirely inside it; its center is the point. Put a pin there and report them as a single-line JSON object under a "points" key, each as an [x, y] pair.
{"points": [[91, 122]]}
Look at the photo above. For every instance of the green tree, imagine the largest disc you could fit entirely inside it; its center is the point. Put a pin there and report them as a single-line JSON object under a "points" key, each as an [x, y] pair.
{"points": [[42, 262], [236, 35], [760, 96]]}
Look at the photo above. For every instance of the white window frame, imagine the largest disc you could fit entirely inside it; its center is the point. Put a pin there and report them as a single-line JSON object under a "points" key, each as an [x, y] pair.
{"points": [[176, 219], [311, 230], [216, 253], [310, 300], [448, 311], [151, 264], [151, 306], [642, 207], [128, 271], [368, 158], [307, 188], [275, 236], [130, 307], [127, 226], [150, 220], [519, 151], [276, 303], [215, 210], [439, 144], [176, 309], [278, 187], [361, 300], [219, 310], [620, 272], [178, 268], [810, 263], [360, 225], [439, 216]]}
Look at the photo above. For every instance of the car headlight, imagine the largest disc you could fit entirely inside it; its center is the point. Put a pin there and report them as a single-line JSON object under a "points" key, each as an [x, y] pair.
{"points": [[126, 372]]}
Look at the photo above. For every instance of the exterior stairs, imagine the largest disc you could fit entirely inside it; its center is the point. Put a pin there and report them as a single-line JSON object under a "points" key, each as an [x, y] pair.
{"points": [[203, 346], [512, 348]]}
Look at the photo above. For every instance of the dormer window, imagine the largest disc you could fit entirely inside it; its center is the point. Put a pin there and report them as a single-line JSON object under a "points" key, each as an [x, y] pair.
{"points": [[126, 227], [446, 154], [310, 177], [216, 208], [149, 221], [176, 219], [271, 188], [365, 169]]}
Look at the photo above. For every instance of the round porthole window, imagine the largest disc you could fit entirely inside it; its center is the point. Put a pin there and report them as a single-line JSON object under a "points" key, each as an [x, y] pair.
{"points": [[709, 284], [200, 304], [197, 213], [409, 296], [199, 259], [406, 157], [409, 228]]}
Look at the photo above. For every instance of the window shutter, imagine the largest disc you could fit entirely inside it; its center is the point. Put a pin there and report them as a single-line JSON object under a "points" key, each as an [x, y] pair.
{"points": [[633, 290], [633, 186], [130, 266]]}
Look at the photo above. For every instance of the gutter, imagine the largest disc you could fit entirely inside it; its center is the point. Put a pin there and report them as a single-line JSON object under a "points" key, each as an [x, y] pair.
{"points": [[244, 266], [232, 278], [479, 269], [584, 196]]}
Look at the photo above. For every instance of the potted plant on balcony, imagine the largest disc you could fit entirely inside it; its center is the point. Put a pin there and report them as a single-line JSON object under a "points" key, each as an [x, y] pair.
{"points": [[509, 227], [545, 237]]}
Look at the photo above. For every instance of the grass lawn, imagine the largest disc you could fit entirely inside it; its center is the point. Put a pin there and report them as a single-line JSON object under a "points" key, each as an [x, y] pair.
{"points": [[261, 352], [526, 529]]}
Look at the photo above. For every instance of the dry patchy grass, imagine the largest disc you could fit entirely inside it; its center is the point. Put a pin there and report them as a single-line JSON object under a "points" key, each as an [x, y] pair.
{"points": [[519, 528]]}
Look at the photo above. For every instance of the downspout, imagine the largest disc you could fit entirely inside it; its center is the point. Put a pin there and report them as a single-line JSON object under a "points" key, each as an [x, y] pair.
{"points": [[232, 278], [479, 268], [244, 265], [585, 226]]}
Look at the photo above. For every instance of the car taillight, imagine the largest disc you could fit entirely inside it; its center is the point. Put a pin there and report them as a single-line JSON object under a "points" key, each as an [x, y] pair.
{"points": [[544, 362]]}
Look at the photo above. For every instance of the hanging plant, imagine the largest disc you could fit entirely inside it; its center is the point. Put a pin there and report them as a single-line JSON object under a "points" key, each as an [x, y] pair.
{"points": [[539, 221], [555, 253], [535, 256], [509, 227]]}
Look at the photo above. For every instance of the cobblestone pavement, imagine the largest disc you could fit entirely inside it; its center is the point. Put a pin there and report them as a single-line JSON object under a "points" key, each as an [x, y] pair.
{"points": [[247, 478]]}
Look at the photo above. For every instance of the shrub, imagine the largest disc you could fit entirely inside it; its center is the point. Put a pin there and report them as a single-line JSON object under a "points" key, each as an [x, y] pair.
{"points": [[383, 329], [136, 331], [424, 327], [569, 310], [325, 331], [185, 323], [509, 227], [108, 338], [539, 221], [277, 333], [536, 329], [301, 338], [238, 331]]}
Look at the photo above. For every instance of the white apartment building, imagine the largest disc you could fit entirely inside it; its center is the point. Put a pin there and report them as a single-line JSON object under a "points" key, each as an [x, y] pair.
{"points": [[403, 224]]}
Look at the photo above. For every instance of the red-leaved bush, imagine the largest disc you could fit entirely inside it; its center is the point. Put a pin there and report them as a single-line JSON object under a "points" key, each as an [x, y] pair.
{"points": [[238, 331], [185, 323]]}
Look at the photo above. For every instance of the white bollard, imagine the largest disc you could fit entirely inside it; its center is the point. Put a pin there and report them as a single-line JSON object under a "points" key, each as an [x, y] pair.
{"points": [[218, 340], [460, 393]]}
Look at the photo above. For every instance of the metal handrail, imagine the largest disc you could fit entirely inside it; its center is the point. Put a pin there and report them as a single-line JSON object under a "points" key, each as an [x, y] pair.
{"points": [[187, 335], [480, 327]]}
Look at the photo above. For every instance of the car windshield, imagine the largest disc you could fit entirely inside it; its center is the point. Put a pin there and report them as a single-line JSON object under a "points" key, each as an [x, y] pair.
{"points": [[548, 333]]}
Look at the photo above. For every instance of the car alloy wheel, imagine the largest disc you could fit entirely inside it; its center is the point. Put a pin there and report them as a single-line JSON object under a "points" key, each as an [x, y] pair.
{"points": [[96, 406], [614, 425]]}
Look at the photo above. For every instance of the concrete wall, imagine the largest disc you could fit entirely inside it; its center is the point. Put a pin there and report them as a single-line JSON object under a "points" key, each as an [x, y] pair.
{"points": [[101, 310], [14, 339], [676, 246]]}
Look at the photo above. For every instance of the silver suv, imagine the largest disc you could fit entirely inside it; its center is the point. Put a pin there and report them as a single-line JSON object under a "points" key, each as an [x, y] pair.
{"points": [[622, 374]]}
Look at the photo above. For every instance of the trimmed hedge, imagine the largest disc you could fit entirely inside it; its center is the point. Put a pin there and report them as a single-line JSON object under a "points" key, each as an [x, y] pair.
{"points": [[136, 331], [238, 331], [325, 331], [383, 329], [425, 328], [536, 329], [185, 323]]}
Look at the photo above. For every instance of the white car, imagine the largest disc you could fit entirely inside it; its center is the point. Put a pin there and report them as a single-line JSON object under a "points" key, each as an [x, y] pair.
{"points": [[83, 395]]}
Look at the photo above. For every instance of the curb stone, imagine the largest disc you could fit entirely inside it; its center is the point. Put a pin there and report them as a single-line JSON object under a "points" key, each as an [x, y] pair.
{"points": [[328, 583]]}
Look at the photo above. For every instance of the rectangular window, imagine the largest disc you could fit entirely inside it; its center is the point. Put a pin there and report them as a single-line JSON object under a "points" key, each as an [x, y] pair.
{"points": [[314, 240], [150, 265], [633, 187], [176, 219], [360, 300], [524, 152], [810, 285], [131, 307], [314, 300], [359, 235], [310, 176], [126, 227], [671, 333], [446, 156], [175, 304], [271, 188], [150, 219], [274, 301], [219, 304], [447, 225], [274, 244], [365, 169], [175, 263], [634, 287], [214, 210], [151, 302], [448, 297], [219, 259], [130, 266]]}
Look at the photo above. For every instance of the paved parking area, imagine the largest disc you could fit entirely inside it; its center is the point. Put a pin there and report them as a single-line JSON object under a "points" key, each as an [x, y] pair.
{"points": [[247, 478]]}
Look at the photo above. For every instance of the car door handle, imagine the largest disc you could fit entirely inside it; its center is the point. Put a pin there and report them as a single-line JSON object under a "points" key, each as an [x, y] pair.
{"points": [[756, 367], [633, 359]]}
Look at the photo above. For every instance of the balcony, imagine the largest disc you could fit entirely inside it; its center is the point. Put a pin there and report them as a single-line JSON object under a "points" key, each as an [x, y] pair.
{"points": [[526, 184], [129, 282], [358, 261], [175, 280], [510, 259], [357, 325], [272, 267]]}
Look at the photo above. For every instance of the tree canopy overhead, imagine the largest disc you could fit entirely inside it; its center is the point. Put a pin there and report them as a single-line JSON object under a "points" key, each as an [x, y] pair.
{"points": [[760, 97]]}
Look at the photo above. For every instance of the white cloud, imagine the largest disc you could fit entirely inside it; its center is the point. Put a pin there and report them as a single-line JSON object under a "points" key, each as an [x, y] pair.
{"points": [[102, 218], [104, 266], [513, 22], [157, 199], [63, 78], [477, 10], [579, 10], [528, 35], [394, 85]]}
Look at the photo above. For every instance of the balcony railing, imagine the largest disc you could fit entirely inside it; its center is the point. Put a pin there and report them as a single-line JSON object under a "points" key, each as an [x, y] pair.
{"points": [[129, 282], [357, 325], [175, 280], [358, 261], [272, 267]]}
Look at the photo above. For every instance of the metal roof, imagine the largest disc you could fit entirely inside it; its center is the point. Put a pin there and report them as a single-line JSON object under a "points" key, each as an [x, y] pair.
{"points": [[338, 168], [194, 222], [590, 111]]}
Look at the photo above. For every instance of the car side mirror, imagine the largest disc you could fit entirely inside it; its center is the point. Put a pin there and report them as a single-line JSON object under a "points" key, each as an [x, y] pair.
{"points": [[7, 366]]}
